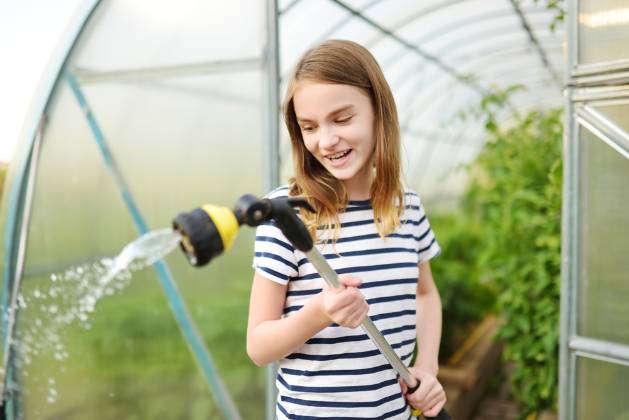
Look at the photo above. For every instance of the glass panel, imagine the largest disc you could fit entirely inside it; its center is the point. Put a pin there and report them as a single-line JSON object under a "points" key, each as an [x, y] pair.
{"points": [[618, 114], [128, 34], [601, 390], [603, 30], [603, 232], [179, 140]]}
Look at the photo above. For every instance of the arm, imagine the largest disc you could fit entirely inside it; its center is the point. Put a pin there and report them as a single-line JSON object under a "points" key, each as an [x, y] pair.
{"points": [[430, 396], [428, 321], [271, 337]]}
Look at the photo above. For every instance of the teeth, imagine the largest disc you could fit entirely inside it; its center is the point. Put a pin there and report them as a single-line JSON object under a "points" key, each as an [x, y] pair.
{"points": [[339, 155]]}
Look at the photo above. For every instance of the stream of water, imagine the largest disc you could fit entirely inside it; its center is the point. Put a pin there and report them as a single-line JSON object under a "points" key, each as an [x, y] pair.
{"points": [[71, 297]]}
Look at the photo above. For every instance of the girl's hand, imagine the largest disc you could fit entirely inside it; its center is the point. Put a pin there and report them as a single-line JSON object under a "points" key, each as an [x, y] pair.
{"points": [[345, 305], [429, 397]]}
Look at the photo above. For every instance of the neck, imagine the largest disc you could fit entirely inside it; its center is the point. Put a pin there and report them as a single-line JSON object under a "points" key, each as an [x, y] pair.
{"points": [[359, 187]]}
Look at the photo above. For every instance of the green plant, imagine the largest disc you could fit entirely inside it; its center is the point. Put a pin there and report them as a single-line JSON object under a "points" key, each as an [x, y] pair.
{"points": [[3, 172], [515, 194], [556, 6], [463, 297]]}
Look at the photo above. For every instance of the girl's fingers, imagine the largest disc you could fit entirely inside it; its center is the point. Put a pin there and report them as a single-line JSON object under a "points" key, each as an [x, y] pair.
{"points": [[432, 396], [435, 398], [350, 281], [403, 385], [435, 409]]}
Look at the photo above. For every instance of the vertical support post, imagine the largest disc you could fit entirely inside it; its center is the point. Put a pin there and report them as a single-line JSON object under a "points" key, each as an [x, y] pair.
{"points": [[271, 141], [569, 227]]}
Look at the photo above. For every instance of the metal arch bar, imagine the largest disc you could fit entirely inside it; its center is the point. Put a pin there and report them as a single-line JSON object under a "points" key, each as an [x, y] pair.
{"points": [[15, 195], [478, 58], [419, 102], [536, 44], [435, 86], [528, 83], [494, 33], [420, 14], [429, 57], [483, 55], [182, 317], [470, 20], [462, 23], [477, 136], [84, 75], [349, 17], [432, 136], [8, 386], [288, 7], [471, 65], [450, 140], [334, 28]]}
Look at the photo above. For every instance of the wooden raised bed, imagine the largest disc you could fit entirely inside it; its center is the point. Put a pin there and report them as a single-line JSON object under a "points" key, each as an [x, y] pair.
{"points": [[467, 372]]}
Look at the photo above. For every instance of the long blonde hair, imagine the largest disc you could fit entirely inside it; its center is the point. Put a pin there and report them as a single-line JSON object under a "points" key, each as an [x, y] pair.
{"points": [[348, 63]]}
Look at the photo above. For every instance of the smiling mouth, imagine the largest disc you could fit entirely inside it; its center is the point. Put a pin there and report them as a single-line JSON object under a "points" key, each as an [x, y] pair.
{"points": [[340, 155]]}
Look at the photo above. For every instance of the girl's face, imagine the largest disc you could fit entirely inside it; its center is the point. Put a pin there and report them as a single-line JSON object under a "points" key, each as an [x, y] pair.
{"points": [[337, 127]]}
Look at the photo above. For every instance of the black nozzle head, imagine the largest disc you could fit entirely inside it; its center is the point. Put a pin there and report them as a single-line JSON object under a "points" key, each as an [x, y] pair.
{"points": [[200, 239], [252, 211]]}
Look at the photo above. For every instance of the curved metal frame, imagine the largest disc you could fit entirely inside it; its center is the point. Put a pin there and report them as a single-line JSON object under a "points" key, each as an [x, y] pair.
{"points": [[20, 181], [437, 85]]}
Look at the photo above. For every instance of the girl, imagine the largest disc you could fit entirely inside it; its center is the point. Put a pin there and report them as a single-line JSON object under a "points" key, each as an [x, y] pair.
{"points": [[344, 131]]}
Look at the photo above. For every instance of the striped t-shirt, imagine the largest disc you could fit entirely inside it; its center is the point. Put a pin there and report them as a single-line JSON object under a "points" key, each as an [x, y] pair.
{"points": [[339, 373]]}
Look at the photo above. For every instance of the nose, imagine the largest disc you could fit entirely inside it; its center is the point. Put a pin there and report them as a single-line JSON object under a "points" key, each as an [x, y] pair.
{"points": [[328, 138]]}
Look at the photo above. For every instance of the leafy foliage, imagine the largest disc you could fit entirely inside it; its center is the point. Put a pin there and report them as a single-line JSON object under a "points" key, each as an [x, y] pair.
{"points": [[515, 195], [464, 298], [558, 6], [3, 172]]}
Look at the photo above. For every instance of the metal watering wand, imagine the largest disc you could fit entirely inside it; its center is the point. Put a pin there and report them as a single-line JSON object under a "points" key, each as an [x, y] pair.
{"points": [[209, 230]]}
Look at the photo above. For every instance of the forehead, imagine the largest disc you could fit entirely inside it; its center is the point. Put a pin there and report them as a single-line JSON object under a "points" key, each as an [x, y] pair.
{"points": [[318, 99]]}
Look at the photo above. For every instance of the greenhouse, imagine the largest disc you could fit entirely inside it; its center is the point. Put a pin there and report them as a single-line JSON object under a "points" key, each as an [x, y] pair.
{"points": [[514, 129]]}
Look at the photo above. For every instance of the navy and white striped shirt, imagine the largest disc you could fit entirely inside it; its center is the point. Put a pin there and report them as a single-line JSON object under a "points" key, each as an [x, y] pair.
{"points": [[339, 373]]}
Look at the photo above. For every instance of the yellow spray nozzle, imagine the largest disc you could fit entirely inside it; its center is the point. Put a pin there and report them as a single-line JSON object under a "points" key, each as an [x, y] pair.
{"points": [[225, 222], [206, 232]]}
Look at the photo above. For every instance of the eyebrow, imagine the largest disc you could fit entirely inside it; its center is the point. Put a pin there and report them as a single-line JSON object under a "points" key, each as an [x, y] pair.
{"points": [[333, 113]]}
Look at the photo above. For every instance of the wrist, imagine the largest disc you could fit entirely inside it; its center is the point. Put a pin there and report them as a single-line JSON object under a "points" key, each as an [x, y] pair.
{"points": [[430, 367], [317, 310]]}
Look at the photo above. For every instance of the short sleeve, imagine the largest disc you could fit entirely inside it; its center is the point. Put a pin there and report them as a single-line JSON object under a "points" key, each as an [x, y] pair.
{"points": [[274, 255], [427, 245]]}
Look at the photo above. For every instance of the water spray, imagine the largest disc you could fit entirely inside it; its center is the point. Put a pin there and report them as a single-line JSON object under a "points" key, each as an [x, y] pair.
{"points": [[210, 230]]}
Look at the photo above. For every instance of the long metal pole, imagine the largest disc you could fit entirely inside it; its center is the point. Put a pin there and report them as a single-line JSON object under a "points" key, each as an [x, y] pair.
{"points": [[330, 277]]}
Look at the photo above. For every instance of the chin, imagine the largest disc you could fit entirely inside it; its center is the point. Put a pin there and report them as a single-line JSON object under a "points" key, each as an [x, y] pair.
{"points": [[342, 176]]}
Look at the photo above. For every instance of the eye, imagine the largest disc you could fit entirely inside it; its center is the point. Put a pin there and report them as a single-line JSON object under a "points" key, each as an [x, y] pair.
{"points": [[307, 128], [344, 120]]}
